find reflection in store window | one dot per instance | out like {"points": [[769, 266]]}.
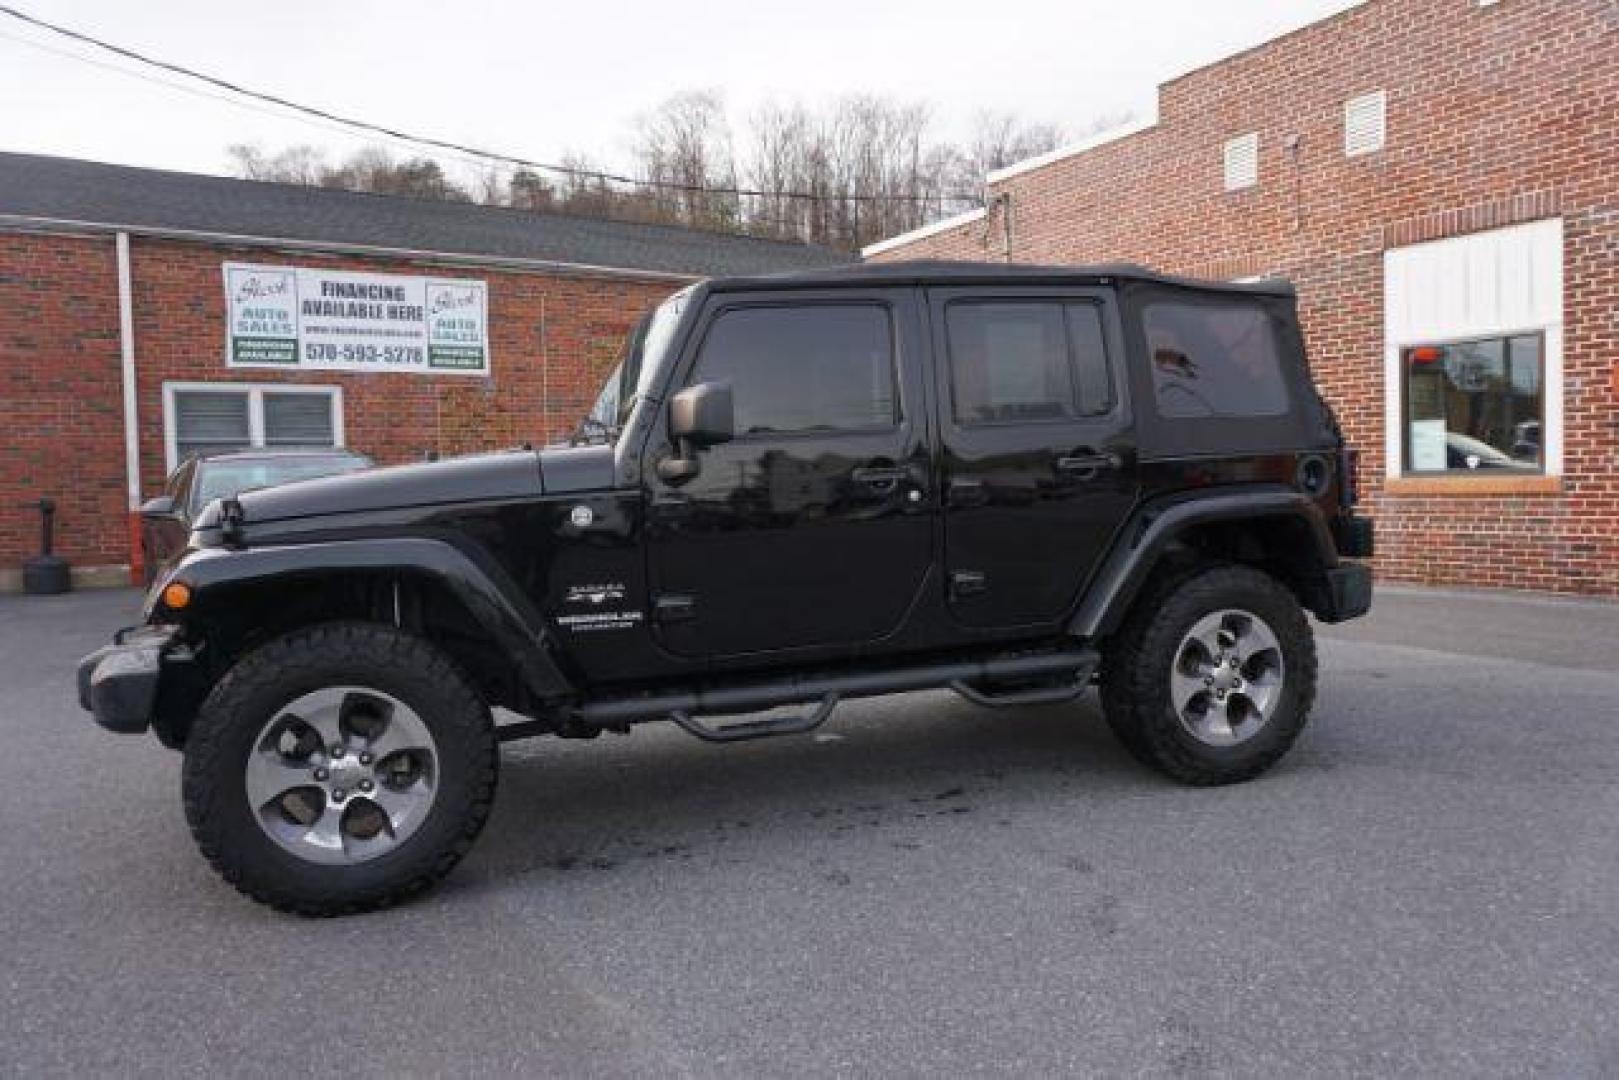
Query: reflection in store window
{"points": [[1474, 406]]}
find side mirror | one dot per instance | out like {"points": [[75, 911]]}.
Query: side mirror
{"points": [[703, 415], [699, 417], [160, 507]]}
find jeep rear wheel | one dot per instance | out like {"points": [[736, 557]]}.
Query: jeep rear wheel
{"points": [[1212, 677], [340, 768]]}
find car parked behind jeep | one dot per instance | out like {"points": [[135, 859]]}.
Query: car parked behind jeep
{"points": [[1016, 482], [203, 477]]}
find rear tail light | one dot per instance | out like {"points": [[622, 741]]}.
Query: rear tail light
{"points": [[1349, 476]]}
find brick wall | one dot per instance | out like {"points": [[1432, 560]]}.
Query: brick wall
{"points": [[552, 339], [1496, 115], [61, 423]]}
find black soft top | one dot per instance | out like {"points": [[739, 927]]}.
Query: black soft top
{"points": [[939, 272]]}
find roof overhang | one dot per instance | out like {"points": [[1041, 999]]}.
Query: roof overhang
{"points": [[924, 232]]}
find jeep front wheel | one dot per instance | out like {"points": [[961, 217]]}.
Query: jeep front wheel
{"points": [[340, 768], [1212, 677]]}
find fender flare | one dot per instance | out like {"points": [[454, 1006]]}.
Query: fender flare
{"points": [[487, 591], [1154, 525]]}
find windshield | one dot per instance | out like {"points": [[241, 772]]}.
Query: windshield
{"points": [[218, 479], [638, 363]]}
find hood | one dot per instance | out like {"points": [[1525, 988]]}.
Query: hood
{"points": [[566, 469], [476, 478]]}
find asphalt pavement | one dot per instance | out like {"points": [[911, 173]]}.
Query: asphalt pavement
{"points": [[1428, 885]]}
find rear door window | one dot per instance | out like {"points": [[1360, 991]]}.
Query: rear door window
{"points": [[1019, 361], [1214, 360]]}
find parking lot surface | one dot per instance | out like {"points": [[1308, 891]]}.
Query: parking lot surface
{"points": [[1429, 884]]}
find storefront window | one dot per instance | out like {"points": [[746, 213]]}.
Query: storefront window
{"points": [[1474, 406]]}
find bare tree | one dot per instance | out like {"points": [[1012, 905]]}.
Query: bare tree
{"points": [[528, 190], [781, 147], [489, 185], [300, 164], [683, 148], [581, 193], [1001, 139], [862, 168], [374, 169]]}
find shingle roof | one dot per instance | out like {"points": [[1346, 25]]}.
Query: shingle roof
{"points": [[152, 200]]}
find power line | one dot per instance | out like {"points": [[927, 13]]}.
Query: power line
{"points": [[452, 147], [207, 95]]}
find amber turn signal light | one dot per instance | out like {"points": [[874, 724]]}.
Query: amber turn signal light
{"points": [[176, 595]]}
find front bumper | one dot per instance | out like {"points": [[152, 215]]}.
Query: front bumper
{"points": [[119, 683]]}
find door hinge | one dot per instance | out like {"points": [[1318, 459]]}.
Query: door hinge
{"points": [[968, 583]]}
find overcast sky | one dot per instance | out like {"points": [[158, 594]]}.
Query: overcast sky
{"points": [[544, 77]]}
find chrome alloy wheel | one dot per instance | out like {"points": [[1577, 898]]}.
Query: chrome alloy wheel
{"points": [[342, 775], [1227, 677]]}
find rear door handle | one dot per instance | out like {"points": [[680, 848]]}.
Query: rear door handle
{"points": [[968, 491], [879, 478]]}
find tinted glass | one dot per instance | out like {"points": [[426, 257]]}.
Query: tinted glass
{"points": [[1026, 360], [1214, 360], [1090, 358], [1474, 406], [1009, 362], [811, 368]]}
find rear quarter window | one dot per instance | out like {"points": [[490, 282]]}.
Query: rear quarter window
{"points": [[1218, 359]]}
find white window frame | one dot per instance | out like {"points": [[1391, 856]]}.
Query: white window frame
{"points": [[1376, 99], [255, 410], [1235, 150], [1523, 264]]}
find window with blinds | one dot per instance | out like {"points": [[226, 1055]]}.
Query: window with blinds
{"points": [[297, 420], [203, 419], [210, 422]]}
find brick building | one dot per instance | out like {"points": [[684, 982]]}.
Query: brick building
{"points": [[1440, 179], [120, 348]]}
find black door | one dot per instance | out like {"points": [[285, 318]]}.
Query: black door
{"points": [[1037, 463], [813, 526]]}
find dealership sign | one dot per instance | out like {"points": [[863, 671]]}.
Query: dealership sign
{"points": [[299, 319]]}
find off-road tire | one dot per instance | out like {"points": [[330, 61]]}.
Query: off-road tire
{"points": [[1137, 661], [335, 654]]}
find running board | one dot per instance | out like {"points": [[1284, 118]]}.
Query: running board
{"points": [[829, 688], [1034, 695]]}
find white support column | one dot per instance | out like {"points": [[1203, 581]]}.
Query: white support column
{"points": [[126, 342]]}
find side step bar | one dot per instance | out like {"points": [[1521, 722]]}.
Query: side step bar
{"points": [[756, 729], [686, 707]]}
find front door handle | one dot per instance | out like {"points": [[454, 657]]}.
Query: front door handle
{"points": [[1088, 463]]}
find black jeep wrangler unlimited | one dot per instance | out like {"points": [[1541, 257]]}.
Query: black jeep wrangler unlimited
{"points": [[1011, 481]]}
